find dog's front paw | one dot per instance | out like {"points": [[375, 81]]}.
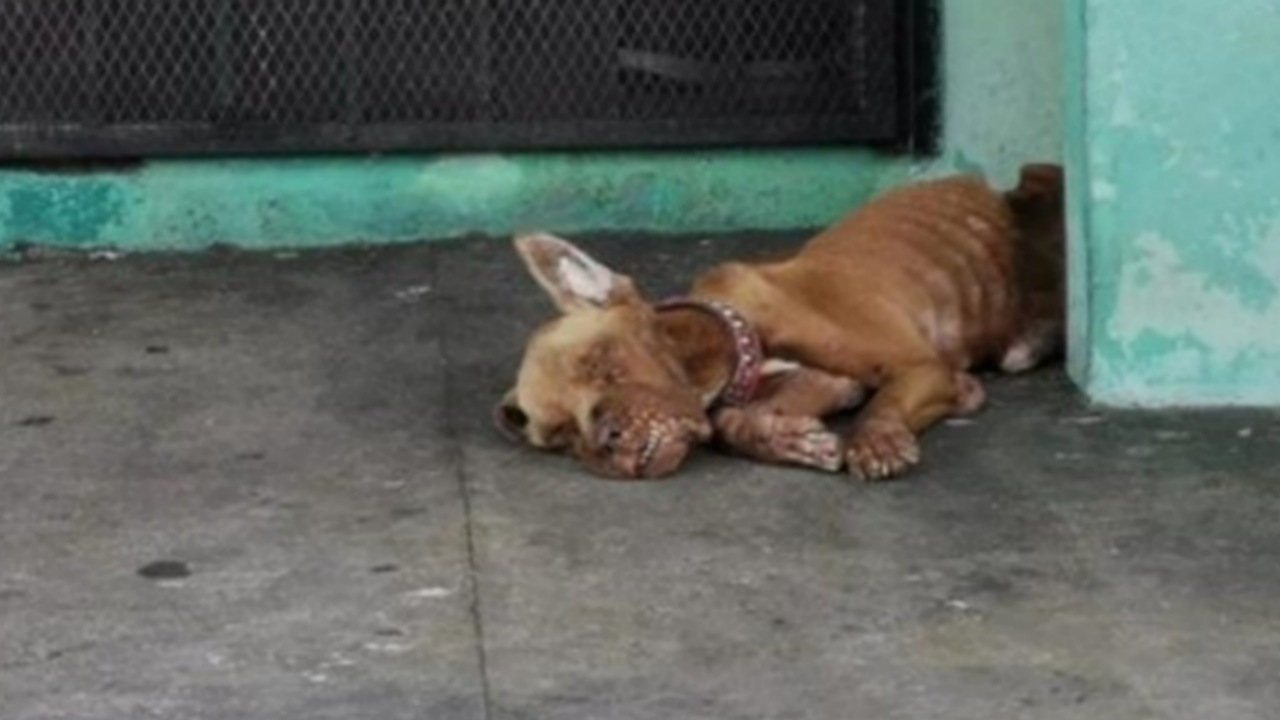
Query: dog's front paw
{"points": [[782, 439], [882, 450], [802, 441]]}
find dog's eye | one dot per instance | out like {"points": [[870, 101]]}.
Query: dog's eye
{"points": [[602, 364]]}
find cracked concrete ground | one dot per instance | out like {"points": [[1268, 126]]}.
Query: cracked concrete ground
{"points": [[264, 486]]}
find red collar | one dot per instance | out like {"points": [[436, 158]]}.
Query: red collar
{"points": [[748, 349]]}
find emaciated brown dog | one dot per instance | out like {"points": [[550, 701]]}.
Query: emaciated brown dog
{"points": [[898, 302]]}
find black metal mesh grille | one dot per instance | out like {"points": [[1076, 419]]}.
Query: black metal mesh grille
{"points": [[139, 77]]}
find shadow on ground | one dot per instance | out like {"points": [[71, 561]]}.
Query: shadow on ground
{"points": [[264, 486]]}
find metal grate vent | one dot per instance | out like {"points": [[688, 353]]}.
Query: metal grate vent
{"points": [[150, 77]]}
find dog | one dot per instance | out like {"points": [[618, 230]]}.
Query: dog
{"points": [[890, 310]]}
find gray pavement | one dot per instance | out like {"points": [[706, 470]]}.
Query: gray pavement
{"points": [[264, 486]]}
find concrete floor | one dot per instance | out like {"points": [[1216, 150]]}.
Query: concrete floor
{"points": [[239, 486]]}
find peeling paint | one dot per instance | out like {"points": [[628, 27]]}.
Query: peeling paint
{"points": [[1191, 306], [1180, 235], [1103, 191]]}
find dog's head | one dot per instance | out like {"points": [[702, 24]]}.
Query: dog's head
{"points": [[602, 381]]}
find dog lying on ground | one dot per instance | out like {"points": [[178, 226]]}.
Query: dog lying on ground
{"points": [[899, 302]]}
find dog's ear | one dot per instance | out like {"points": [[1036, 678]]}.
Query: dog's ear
{"points": [[573, 279]]}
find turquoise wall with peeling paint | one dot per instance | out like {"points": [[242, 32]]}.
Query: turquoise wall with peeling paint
{"points": [[1175, 156], [1001, 91]]}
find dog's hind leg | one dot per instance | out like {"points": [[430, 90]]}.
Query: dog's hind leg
{"points": [[784, 426]]}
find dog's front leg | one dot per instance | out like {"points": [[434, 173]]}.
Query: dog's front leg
{"points": [[884, 442], [784, 424]]}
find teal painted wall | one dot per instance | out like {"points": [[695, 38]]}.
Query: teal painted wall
{"points": [[1001, 70], [1174, 149], [316, 202]]}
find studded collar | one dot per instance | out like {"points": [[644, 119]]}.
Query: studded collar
{"points": [[748, 349]]}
